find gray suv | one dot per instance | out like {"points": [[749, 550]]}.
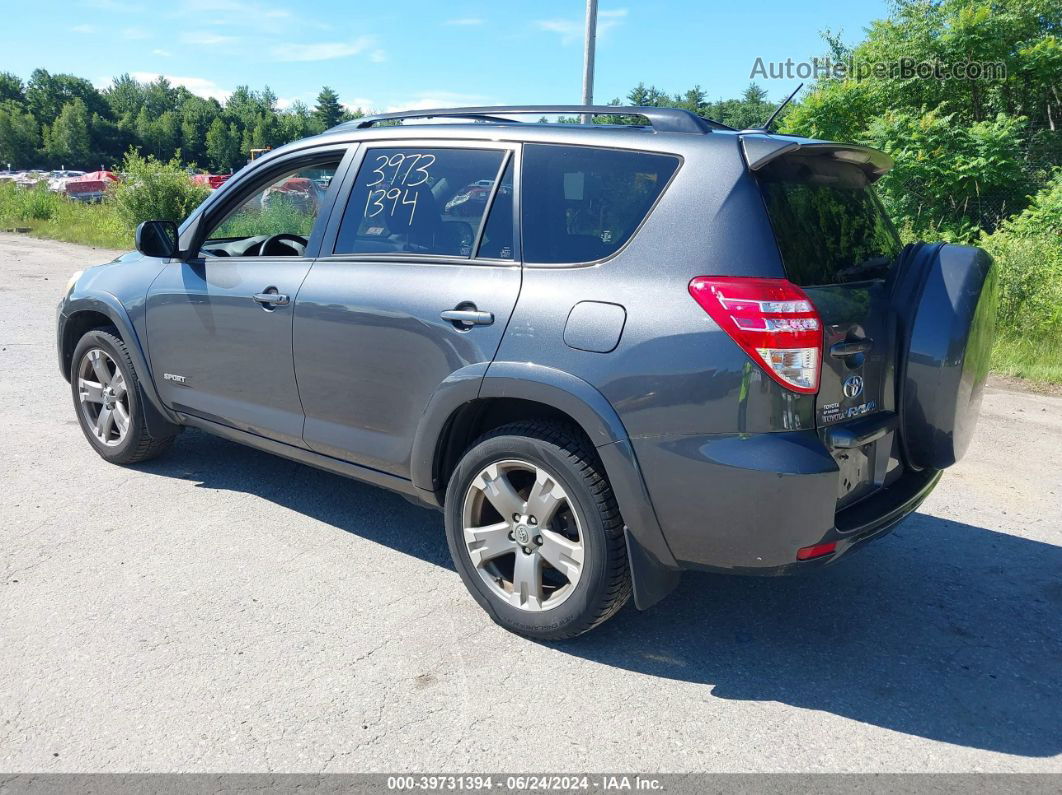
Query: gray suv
{"points": [[607, 352]]}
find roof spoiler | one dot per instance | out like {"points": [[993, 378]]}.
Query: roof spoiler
{"points": [[761, 150]]}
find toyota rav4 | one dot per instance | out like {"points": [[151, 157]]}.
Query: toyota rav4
{"points": [[608, 353]]}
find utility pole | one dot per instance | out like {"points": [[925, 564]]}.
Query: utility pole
{"points": [[589, 45]]}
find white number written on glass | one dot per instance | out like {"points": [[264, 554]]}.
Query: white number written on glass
{"points": [[405, 170], [377, 202]]}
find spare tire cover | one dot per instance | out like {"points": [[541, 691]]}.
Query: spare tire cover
{"points": [[949, 328]]}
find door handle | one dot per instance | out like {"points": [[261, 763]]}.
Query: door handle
{"points": [[850, 347], [270, 298], [468, 317]]}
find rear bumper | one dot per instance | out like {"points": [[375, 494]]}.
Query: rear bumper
{"points": [[746, 503]]}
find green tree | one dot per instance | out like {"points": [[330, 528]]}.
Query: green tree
{"points": [[957, 176], [950, 180], [19, 136], [11, 88], [67, 141], [298, 122], [328, 110], [48, 94], [125, 96], [222, 145]]}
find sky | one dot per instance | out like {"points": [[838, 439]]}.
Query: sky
{"points": [[401, 54]]}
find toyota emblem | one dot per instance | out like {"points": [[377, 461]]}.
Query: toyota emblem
{"points": [[853, 386]]}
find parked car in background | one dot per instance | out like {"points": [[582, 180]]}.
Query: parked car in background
{"points": [[636, 350], [210, 181], [90, 187], [57, 179]]}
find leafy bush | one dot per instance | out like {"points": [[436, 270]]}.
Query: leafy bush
{"points": [[154, 190], [950, 181], [1028, 253], [19, 205]]}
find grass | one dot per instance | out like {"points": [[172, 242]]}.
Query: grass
{"points": [[90, 225], [1032, 359], [55, 217]]}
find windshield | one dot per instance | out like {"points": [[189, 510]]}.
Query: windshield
{"points": [[829, 224]]}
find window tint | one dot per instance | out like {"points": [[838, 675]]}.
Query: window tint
{"points": [[580, 204], [828, 222], [428, 201], [289, 204], [497, 240]]}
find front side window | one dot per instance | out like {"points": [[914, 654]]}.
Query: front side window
{"points": [[277, 219], [420, 201], [581, 204]]}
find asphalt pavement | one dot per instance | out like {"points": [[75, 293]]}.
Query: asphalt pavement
{"points": [[221, 609]]}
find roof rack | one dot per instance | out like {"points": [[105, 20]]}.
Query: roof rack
{"points": [[660, 119]]}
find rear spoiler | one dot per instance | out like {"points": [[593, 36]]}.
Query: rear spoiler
{"points": [[761, 149]]}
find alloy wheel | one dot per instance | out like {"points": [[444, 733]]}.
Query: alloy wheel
{"points": [[104, 397], [523, 534]]}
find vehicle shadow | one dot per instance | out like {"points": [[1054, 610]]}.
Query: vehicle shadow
{"points": [[349, 505], [943, 630]]}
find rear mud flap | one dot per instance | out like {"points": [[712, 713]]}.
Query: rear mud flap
{"points": [[651, 579]]}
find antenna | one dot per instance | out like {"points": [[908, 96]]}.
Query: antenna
{"points": [[767, 124]]}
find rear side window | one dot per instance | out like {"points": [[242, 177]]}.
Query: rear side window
{"points": [[829, 224], [581, 204], [420, 201]]}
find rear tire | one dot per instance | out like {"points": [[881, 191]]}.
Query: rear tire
{"points": [[535, 532], [108, 401]]}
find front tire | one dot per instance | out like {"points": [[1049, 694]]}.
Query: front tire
{"points": [[535, 532], [107, 400]]}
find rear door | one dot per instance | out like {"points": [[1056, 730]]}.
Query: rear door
{"points": [[417, 278], [838, 244]]}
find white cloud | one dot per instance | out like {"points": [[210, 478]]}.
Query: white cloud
{"points": [[378, 56], [83, 29], [438, 99], [162, 53], [199, 86], [246, 15], [469, 21], [206, 39], [135, 33], [569, 30], [364, 104], [606, 20], [326, 51], [572, 30]]}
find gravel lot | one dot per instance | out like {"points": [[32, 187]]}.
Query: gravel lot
{"points": [[220, 609]]}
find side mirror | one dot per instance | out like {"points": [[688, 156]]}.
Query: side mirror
{"points": [[157, 239]]}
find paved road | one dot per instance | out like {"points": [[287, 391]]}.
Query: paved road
{"points": [[224, 610]]}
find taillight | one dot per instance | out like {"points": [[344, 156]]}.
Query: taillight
{"points": [[772, 320]]}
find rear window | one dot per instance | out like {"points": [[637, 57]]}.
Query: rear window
{"points": [[581, 204], [829, 224]]}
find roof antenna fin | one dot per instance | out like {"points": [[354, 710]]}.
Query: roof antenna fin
{"points": [[767, 124]]}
